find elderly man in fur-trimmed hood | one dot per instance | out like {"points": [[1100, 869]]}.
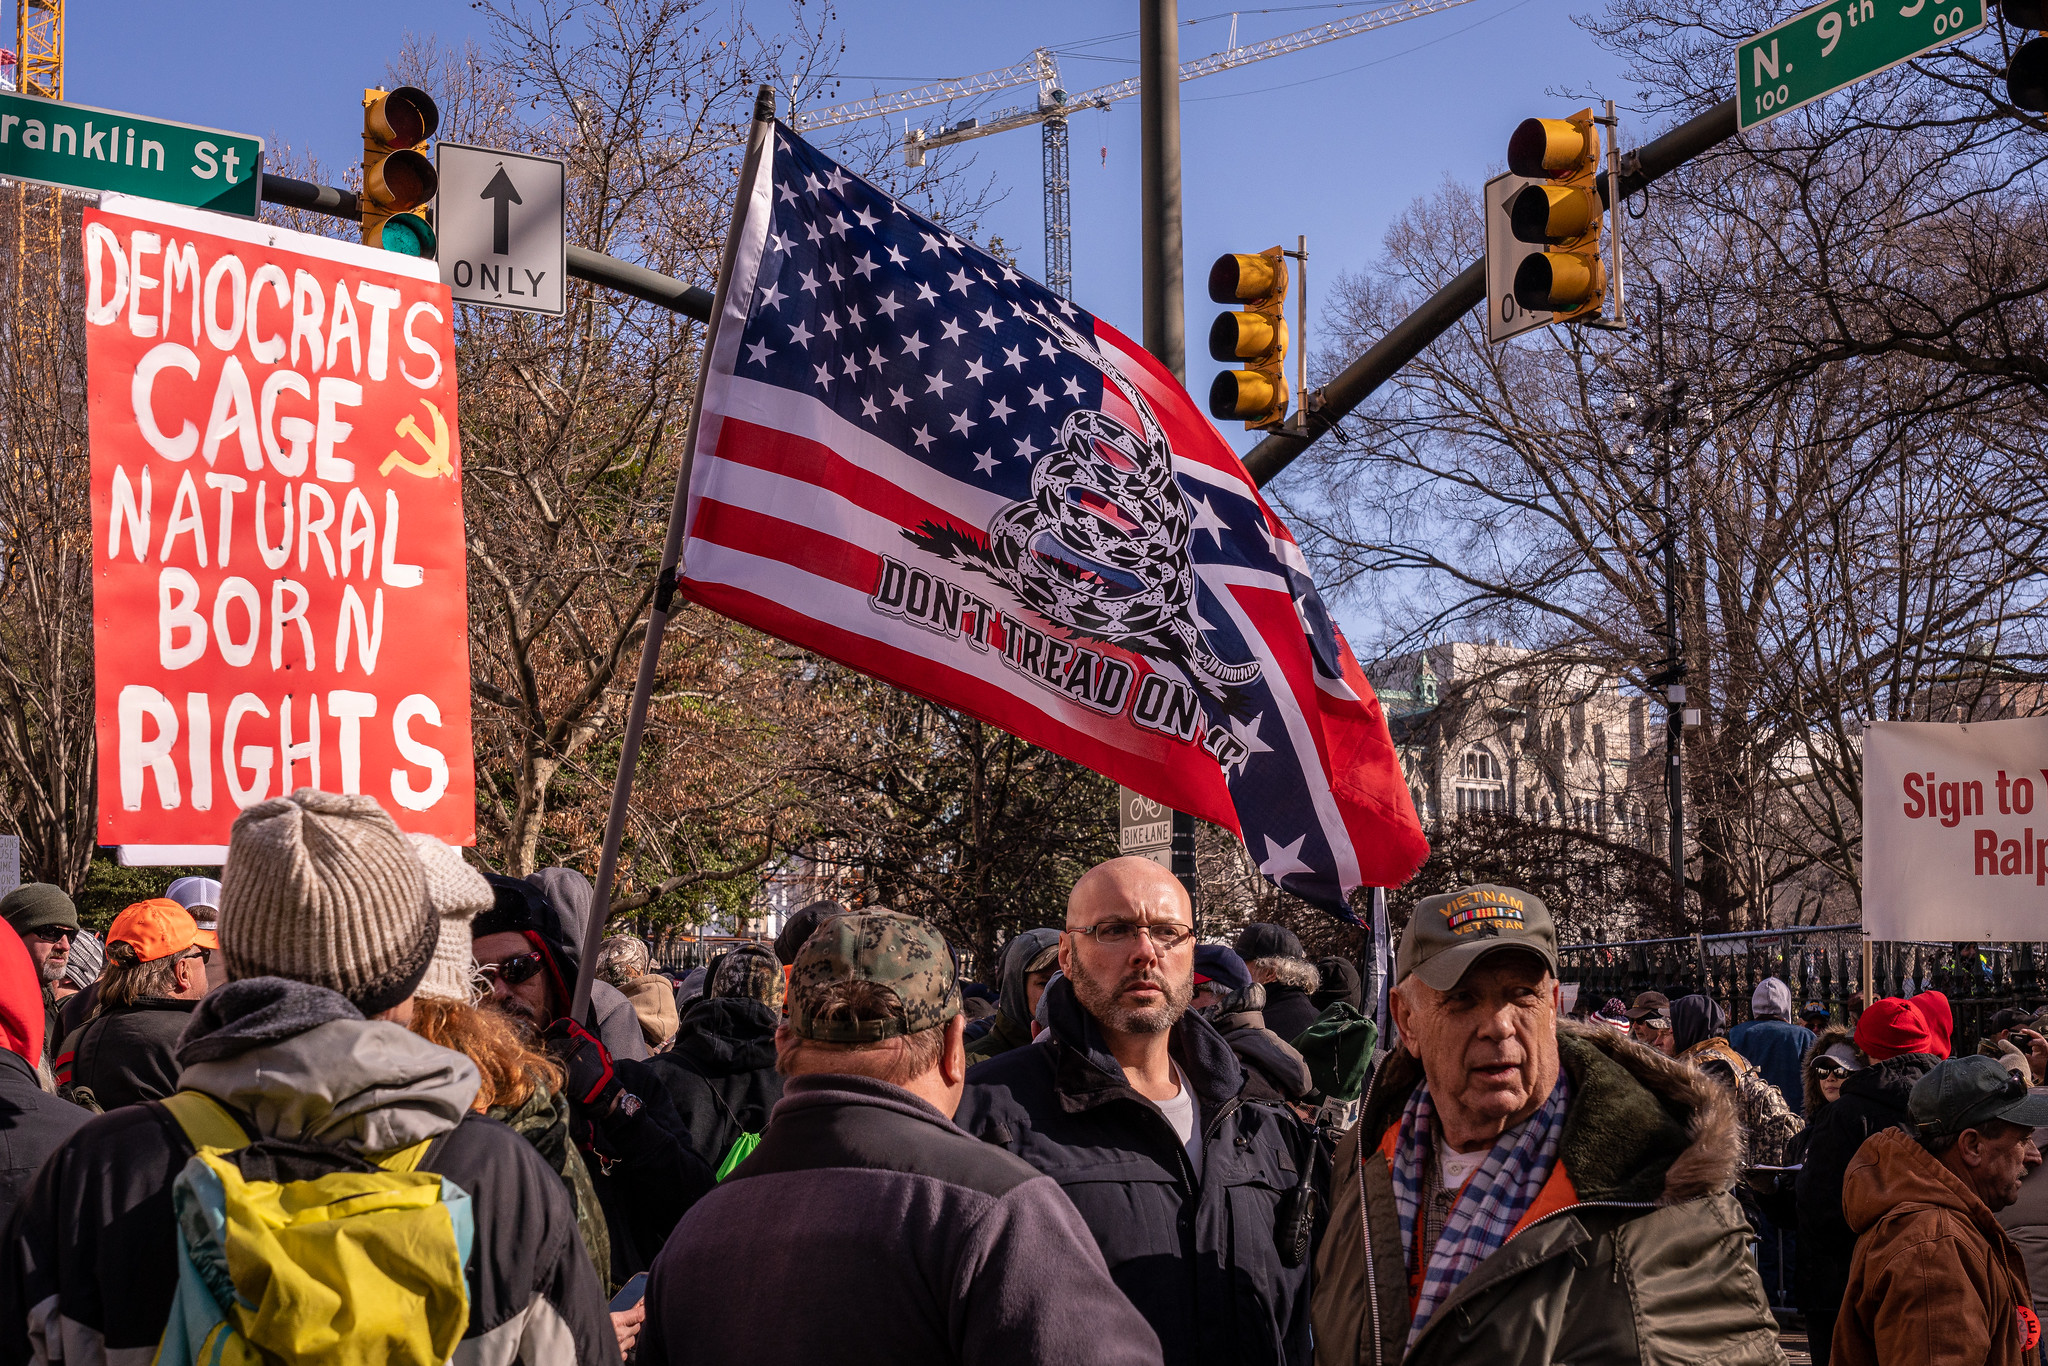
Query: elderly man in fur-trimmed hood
{"points": [[1516, 1191]]}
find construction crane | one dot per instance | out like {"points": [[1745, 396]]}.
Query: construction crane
{"points": [[38, 211], [1054, 106], [39, 48]]}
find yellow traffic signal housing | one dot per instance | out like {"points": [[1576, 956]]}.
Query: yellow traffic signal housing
{"points": [[1254, 336], [1570, 279], [398, 179]]}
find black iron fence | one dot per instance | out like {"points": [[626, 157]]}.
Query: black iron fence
{"points": [[1819, 963]]}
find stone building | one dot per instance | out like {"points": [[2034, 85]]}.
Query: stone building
{"points": [[1485, 727]]}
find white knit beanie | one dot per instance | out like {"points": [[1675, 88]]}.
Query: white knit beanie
{"points": [[457, 893], [324, 888]]}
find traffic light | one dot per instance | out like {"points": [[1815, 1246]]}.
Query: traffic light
{"points": [[2026, 71], [1253, 336], [1565, 215], [398, 179]]}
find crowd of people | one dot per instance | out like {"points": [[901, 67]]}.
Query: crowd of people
{"points": [[337, 1106]]}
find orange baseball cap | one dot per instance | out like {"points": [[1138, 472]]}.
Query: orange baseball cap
{"points": [[158, 928]]}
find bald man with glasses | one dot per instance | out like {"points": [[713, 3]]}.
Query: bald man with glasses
{"points": [[1197, 1196]]}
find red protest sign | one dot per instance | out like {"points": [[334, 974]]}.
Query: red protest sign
{"points": [[279, 596]]}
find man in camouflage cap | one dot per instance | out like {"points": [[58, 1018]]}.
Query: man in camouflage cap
{"points": [[875, 953], [864, 1194]]}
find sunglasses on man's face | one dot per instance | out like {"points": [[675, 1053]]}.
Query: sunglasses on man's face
{"points": [[512, 971], [54, 934]]}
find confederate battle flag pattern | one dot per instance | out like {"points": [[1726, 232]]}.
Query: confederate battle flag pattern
{"points": [[916, 461]]}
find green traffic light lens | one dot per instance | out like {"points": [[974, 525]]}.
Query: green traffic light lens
{"points": [[408, 235]]}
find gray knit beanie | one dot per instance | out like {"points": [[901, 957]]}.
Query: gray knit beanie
{"points": [[323, 888], [457, 893]]}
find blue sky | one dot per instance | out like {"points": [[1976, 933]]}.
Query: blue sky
{"points": [[1331, 141]]}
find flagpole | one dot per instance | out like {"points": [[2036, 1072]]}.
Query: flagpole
{"points": [[664, 593]]}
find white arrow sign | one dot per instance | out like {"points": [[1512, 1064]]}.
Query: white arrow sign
{"points": [[499, 218]]}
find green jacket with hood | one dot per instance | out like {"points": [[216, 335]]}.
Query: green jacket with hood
{"points": [[1650, 1265]]}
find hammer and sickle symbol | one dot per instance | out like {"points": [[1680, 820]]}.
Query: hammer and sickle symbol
{"points": [[437, 462]]}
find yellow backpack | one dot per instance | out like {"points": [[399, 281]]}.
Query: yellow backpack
{"points": [[300, 1252]]}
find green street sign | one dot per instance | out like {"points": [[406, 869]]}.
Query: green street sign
{"points": [[1837, 44], [102, 149]]}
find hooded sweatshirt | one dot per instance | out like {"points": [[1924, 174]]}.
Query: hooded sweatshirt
{"points": [[1935, 1280], [721, 1074], [295, 1062], [643, 1168], [33, 1123], [1772, 1042], [570, 896], [1873, 1100], [1012, 1028]]}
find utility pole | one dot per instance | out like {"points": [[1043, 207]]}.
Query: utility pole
{"points": [[1159, 109], [1664, 415], [1165, 313]]}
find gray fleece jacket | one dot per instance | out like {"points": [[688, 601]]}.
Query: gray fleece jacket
{"points": [[867, 1229]]}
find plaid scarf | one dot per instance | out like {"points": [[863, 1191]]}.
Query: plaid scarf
{"points": [[1490, 1205]]}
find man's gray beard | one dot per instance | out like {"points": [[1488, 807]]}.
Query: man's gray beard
{"points": [[1100, 1001], [52, 970], [513, 1012]]}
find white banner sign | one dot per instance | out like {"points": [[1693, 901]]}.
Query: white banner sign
{"points": [[1955, 830]]}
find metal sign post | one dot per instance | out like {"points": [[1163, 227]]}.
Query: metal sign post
{"points": [[503, 238]]}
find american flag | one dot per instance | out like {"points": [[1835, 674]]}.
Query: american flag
{"points": [[915, 460]]}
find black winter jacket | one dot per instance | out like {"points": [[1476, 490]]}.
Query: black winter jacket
{"points": [[1199, 1259], [720, 1072], [128, 1054], [640, 1160], [33, 1124], [1872, 1100], [90, 1257]]}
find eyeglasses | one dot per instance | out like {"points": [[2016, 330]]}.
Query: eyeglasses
{"points": [[513, 971], [54, 934], [1830, 1071], [1117, 933]]}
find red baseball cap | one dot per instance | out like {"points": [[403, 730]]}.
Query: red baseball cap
{"points": [[158, 928]]}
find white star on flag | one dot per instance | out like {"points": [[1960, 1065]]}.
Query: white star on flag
{"points": [[1282, 859]]}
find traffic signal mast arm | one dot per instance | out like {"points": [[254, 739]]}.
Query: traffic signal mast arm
{"points": [[665, 291], [1406, 339]]}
